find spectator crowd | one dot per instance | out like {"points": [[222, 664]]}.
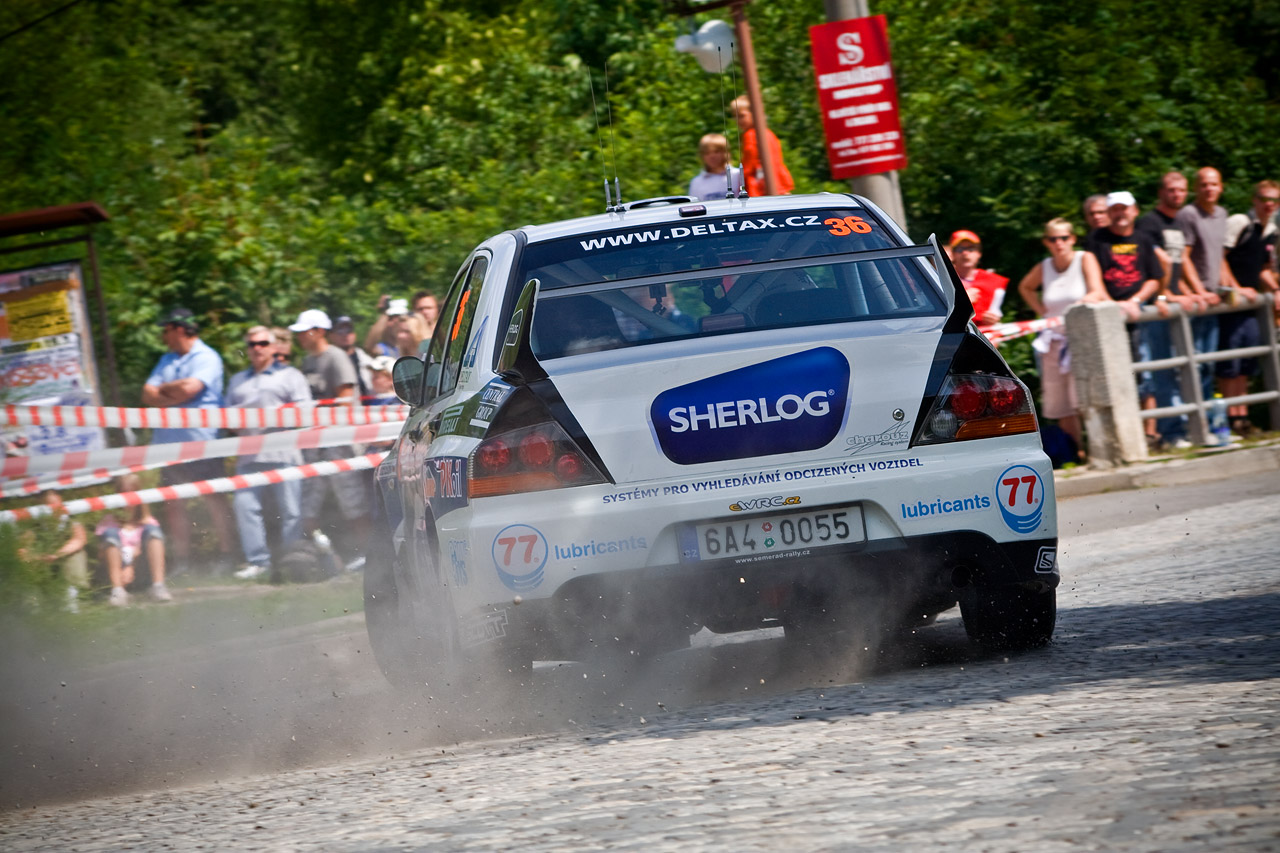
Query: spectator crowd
{"points": [[1186, 253], [1190, 254], [263, 525]]}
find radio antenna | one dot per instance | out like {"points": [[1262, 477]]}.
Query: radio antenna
{"points": [[595, 112], [728, 166], [617, 188], [733, 72]]}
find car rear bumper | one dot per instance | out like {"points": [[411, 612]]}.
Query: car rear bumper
{"points": [[888, 582], [530, 545]]}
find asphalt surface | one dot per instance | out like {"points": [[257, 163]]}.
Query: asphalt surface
{"points": [[1149, 724]]}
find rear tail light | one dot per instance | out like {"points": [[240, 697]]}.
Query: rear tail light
{"points": [[978, 406], [529, 459]]}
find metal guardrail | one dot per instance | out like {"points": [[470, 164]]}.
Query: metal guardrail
{"points": [[1187, 360]]}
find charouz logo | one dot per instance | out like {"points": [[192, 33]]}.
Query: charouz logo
{"points": [[792, 403]]}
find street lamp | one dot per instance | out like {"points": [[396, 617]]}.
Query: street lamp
{"points": [[749, 75]]}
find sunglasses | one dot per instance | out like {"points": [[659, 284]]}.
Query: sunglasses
{"points": [[968, 247], [1058, 237], [1268, 199], [256, 344]]}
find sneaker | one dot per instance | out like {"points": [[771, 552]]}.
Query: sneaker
{"points": [[73, 600], [1245, 428], [1155, 444], [160, 592], [119, 597], [322, 542], [356, 565], [251, 572], [1181, 444]]}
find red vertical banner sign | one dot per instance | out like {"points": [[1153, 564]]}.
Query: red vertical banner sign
{"points": [[858, 97]]}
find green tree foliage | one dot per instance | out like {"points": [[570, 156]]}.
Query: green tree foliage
{"points": [[258, 159]]}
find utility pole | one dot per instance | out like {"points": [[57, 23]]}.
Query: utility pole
{"points": [[752, 79], [882, 189]]}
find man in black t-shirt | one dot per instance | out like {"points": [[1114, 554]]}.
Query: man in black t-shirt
{"points": [[1250, 247], [1130, 270], [1131, 273], [1161, 226]]}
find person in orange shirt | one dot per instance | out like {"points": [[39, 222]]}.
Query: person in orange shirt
{"points": [[752, 166]]}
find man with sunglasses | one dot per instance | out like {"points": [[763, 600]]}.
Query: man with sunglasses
{"points": [[1250, 256], [266, 384]]}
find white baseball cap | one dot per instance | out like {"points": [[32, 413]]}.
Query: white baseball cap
{"points": [[397, 308], [1122, 197], [312, 318], [382, 363]]}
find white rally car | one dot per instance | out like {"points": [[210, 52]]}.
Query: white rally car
{"points": [[731, 415]]}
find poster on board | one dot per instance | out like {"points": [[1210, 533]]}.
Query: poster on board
{"points": [[858, 96], [46, 355]]}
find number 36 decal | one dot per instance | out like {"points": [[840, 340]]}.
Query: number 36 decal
{"points": [[848, 225]]}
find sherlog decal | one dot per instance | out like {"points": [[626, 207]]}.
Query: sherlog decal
{"points": [[792, 403]]}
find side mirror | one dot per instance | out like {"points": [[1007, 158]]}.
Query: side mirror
{"points": [[406, 376], [515, 361]]}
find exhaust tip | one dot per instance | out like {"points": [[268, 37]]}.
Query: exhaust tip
{"points": [[961, 577]]}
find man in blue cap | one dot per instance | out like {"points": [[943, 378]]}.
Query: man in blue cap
{"points": [[188, 376]]}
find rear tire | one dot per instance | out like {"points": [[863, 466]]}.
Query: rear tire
{"points": [[413, 642], [1010, 618]]}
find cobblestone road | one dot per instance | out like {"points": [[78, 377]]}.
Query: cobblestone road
{"points": [[1150, 724]]}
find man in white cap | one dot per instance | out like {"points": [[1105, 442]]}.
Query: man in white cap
{"points": [[1131, 271], [332, 377], [1132, 275]]}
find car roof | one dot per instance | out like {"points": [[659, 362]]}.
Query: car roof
{"points": [[660, 213]]}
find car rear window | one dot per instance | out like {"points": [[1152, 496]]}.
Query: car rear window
{"points": [[700, 243], [731, 300]]}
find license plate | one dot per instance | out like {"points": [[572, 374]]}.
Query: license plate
{"points": [[771, 537]]}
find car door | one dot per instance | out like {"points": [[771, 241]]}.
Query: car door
{"points": [[440, 476]]}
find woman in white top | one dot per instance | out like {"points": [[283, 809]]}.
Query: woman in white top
{"points": [[1051, 287]]}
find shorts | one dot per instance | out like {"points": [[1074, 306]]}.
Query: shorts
{"points": [[193, 471], [111, 536], [1057, 387], [1234, 332]]}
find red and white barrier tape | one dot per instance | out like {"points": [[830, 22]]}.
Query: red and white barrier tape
{"points": [[74, 480], [1001, 332], [186, 451], [175, 418], [202, 487]]}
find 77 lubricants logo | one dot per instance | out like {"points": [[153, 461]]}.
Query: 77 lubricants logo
{"points": [[789, 404]]}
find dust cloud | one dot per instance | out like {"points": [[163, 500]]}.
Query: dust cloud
{"points": [[314, 696]]}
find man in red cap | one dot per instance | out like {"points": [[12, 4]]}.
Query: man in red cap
{"points": [[985, 288]]}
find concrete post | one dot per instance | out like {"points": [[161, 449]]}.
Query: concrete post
{"points": [[1102, 368]]}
